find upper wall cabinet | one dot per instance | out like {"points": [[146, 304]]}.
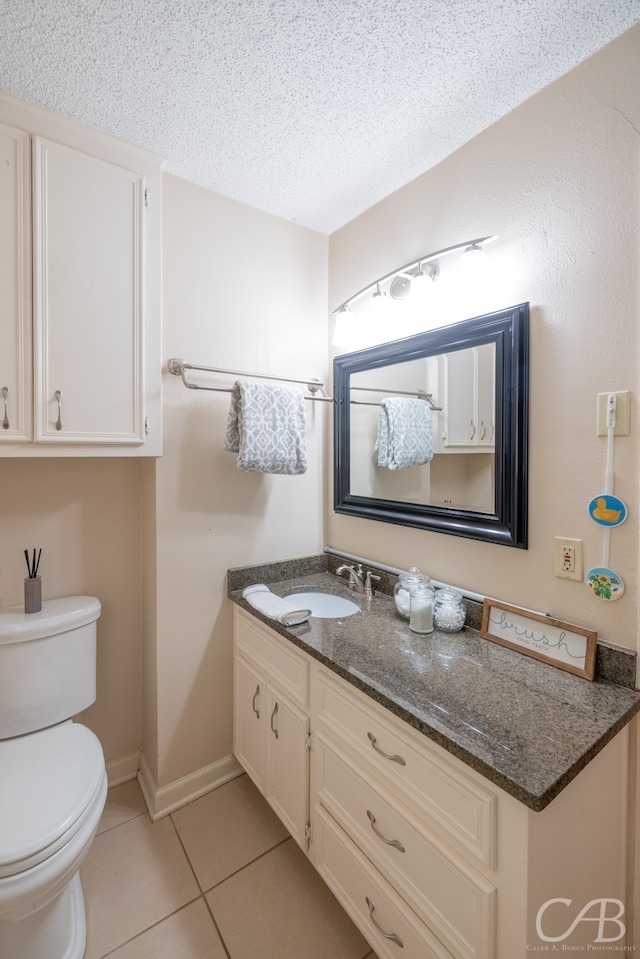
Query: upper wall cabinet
{"points": [[15, 286], [80, 365]]}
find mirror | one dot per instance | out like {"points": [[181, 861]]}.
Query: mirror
{"points": [[460, 467]]}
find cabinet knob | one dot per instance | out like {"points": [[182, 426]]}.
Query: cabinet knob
{"points": [[253, 704], [58, 395], [5, 422], [473, 430]]}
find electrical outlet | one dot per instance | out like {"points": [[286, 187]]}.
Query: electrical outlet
{"points": [[568, 558], [622, 413]]}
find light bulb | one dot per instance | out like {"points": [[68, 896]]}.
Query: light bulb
{"points": [[343, 330], [472, 260], [423, 280], [379, 304]]}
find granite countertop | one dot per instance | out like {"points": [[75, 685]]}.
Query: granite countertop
{"points": [[526, 726]]}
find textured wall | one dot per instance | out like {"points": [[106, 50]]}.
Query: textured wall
{"points": [[557, 180], [245, 291], [85, 514]]}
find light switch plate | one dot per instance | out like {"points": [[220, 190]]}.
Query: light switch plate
{"points": [[623, 402]]}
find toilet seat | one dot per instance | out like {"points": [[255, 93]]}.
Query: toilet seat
{"points": [[50, 782]]}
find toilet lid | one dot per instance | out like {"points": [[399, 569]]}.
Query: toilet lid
{"points": [[47, 781]]}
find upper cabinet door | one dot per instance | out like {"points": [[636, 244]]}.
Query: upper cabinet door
{"points": [[15, 286], [88, 298]]}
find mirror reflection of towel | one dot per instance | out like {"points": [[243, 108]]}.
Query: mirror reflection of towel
{"points": [[405, 433], [267, 428]]}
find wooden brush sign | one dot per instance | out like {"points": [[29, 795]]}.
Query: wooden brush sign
{"points": [[542, 637]]}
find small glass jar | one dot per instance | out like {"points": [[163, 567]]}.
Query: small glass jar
{"points": [[448, 610], [402, 590], [421, 608]]}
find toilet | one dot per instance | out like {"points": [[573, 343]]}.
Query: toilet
{"points": [[53, 781]]}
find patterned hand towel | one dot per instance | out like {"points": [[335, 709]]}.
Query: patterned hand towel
{"points": [[267, 428], [261, 598], [405, 433]]}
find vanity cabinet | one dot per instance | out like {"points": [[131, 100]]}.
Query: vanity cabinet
{"points": [[80, 240], [271, 721], [400, 833], [429, 858]]}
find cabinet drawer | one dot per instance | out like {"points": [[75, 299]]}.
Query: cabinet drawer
{"points": [[455, 901], [282, 664], [382, 917], [406, 762]]}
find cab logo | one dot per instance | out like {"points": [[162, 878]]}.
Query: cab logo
{"points": [[603, 916]]}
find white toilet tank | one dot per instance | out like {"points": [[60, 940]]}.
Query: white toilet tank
{"points": [[47, 663]]}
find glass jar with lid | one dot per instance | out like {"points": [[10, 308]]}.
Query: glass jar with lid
{"points": [[421, 608], [449, 612], [402, 590]]}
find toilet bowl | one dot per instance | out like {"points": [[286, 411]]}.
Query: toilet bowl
{"points": [[53, 784]]}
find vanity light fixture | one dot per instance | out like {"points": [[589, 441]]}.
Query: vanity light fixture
{"points": [[343, 330], [422, 280], [472, 259], [414, 278], [379, 301]]}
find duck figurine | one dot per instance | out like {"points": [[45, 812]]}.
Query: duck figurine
{"points": [[603, 513]]}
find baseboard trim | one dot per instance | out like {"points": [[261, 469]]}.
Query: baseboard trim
{"points": [[122, 770], [166, 799]]}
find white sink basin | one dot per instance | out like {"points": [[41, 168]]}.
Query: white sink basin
{"points": [[324, 605]]}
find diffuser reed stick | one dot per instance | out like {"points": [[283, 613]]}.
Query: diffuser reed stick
{"points": [[32, 565]]}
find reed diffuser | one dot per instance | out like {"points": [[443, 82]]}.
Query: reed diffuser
{"points": [[33, 583]]}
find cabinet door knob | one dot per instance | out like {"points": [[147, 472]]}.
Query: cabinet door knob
{"points": [[393, 759], [273, 716], [253, 704], [58, 395], [5, 422], [473, 430], [394, 937], [390, 842]]}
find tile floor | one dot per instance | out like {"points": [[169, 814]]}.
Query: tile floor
{"points": [[218, 879]]}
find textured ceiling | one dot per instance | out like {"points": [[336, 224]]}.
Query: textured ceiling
{"points": [[309, 109]]}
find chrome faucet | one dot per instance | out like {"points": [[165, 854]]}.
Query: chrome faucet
{"points": [[359, 581]]}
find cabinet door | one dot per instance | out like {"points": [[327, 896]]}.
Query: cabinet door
{"points": [[486, 395], [88, 269], [249, 723], [288, 764], [15, 286], [460, 422]]}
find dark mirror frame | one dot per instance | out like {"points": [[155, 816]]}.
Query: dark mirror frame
{"points": [[509, 330]]}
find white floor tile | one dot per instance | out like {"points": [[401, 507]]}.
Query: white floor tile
{"points": [[187, 934], [134, 876], [226, 829]]}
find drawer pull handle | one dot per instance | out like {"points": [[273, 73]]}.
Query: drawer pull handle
{"points": [[390, 842], [273, 716], [253, 704], [394, 759], [387, 935], [5, 422], [58, 395]]}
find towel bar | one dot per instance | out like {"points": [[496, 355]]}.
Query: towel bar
{"points": [[178, 368], [418, 394]]}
